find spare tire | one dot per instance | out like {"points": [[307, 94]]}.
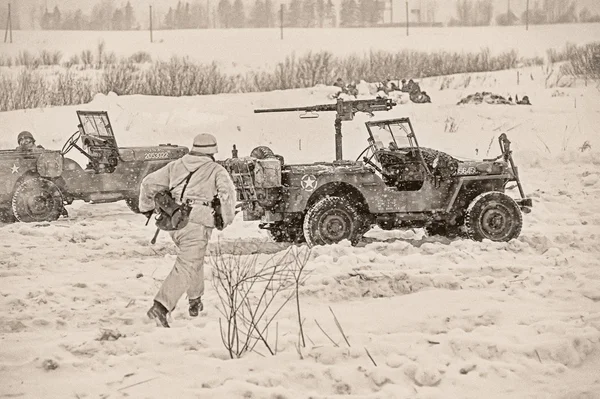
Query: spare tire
{"points": [[262, 152], [37, 200]]}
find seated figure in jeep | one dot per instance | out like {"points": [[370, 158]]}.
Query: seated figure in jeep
{"points": [[27, 142]]}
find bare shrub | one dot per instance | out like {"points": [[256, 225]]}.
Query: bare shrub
{"points": [[121, 79], [315, 68], [50, 57], [73, 60], [6, 60], [25, 58], [109, 58], [30, 91], [251, 294], [585, 146], [285, 72], [583, 61], [180, 77], [71, 89], [140, 57], [87, 57], [100, 48], [7, 87]]}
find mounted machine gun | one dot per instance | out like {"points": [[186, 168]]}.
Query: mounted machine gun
{"points": [[345, 111]]}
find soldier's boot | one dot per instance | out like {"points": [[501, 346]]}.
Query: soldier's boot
{"points": [[196, 306], [159, 313]]}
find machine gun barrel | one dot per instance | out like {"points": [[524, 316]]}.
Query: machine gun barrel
{"points": [[345, 111], [312, 108]]}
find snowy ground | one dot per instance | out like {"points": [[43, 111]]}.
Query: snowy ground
{"points": [[240, 50], [441, 318]]}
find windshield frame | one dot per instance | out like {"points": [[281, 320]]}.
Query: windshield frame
{"points": [[95, 123], [387, 125]]}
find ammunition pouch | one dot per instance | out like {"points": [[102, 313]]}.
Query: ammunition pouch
{"points": [[215, 204], [171, 215]]}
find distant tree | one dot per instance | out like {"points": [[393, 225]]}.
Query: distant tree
{"points": [[118, 20], [101, 16], [464, 10], [585, 15], [349, 14], [238, 16], [198, 16], [370, 12], [320, 11], [309, 14], [46, 21], [169, 22], [293, 16], [431, 11], [224, 13], [484, 12], [56, 18], [78, 21], [330, 15], [560, 11], [257, 17], [129, 19], [568, 14], [506, 19], [270, 20], [537, 15]]}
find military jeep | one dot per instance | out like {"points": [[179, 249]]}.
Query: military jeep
{"points": [[36, 185], [394, 183]]}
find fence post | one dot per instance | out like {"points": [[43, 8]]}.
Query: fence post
{"points": [[151, 41], [406, 17], [281, 20], [8, 26]]}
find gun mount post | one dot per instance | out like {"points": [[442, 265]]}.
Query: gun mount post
{"points": [[338, 138], [345, 111]]}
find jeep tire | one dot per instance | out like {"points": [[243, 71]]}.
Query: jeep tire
{"points": [[331, 220], [493, 216], [37, 200]]}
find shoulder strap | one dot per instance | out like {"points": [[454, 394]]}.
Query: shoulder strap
{"points": [[187, 180]]}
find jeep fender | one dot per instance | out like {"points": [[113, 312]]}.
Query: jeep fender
{"points": [[469, 187], [301, 199]]}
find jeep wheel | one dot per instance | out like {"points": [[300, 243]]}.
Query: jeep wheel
{"points": [[133, 204], [37, 200], [493, 216], [331, 220]]}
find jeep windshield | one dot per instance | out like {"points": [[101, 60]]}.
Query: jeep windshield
{"points": [[391, 134], [95, 124]]}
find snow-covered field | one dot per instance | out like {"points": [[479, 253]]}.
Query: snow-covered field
{"points": [[239, 50], [441, 318]]}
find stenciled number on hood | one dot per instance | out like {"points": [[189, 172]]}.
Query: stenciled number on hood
{"points": [[156, 155]]}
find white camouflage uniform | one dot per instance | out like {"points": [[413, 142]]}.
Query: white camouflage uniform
{"points": [[209, 179]]}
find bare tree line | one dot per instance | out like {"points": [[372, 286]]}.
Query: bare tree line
{"points": [[200, 14]]}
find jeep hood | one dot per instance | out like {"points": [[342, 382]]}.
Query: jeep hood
{"points": [[152, 153]]}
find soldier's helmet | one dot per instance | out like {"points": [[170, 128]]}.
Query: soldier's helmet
{"points": [[204, 144], [25, 135]]}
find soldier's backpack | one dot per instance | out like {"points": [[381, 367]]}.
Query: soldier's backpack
{"points": [[171, 215]]}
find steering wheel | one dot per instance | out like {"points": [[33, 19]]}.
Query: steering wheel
{"points": [[70, 143], [364, 152]]}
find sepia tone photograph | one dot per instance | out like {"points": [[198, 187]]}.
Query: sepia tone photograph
{"points": [[368, 199]]}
